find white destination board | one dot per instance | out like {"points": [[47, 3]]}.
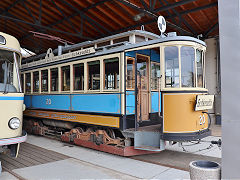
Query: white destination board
{"points": [[51, 58], [204, 102]]}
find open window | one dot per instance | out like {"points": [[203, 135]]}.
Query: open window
{"points": [[36, 81], [54, 79], [78, 76], [44, 80], [65, 78], [111, 68], [94, 75]]}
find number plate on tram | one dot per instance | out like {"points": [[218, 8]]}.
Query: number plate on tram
{"points": [[204, 102]]}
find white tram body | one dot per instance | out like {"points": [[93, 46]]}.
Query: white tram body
{"points": [[11, 95]]}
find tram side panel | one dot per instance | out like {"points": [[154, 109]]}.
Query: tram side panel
{"points": [[11, 106], [180, 120], [155, 107], [72, 106]]}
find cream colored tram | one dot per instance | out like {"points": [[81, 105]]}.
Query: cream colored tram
{"points": [[11, 95]]}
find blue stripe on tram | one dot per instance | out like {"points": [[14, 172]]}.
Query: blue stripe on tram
{"points": [[10, 98]]}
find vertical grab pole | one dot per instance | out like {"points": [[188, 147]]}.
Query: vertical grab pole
{"points": [[125, 96], [136, 94], [17, 69]]}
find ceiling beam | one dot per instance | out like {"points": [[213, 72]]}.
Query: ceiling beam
{"points": [[40, 12], [199, 8], [61, 11], [82, 13], [173, 5], [152, 14], [11, 6], [71, 16], [182, 19], [167, 17], [211, 29], [152, 4], [43, 27]]}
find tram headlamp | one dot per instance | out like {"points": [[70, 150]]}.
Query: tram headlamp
{"points": [[14, 123]]}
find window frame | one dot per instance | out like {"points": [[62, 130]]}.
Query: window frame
{"points": [[61, 78], [100, 76], [39, 73], [41, 89], [116, 89], [25, 85], [158, 63], [50, 82], [73, 77], [194, 65], [133, 71]]}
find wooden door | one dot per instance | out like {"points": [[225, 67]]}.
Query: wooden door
{"points": [[143, 87]]}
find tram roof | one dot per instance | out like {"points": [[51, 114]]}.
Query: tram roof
{"points": [[125, 46], [77, 21], [9, 42]]}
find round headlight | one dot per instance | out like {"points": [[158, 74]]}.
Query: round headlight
{"points": [[14, 123]]}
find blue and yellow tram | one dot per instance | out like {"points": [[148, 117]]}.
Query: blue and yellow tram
{"points": [[11, 96], [131, 90]]}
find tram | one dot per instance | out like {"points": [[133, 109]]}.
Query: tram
{"points": [[11, 96], [125, 94]]}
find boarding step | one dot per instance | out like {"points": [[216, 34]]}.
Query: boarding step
{"points": [[146, 138], [148, 141]]}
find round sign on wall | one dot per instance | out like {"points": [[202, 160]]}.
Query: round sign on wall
{"points": [[161, 24]]}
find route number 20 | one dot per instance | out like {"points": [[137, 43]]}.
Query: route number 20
{"points": [[202, 120], [48, 101]]}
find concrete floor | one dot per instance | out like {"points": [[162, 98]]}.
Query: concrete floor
{"points": [[83, 163]]}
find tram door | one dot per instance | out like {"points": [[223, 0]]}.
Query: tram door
{"points": [[143, 87]]}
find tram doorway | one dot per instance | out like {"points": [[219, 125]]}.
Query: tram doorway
{"points": [[143, 87]]}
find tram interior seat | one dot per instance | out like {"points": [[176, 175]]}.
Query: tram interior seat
{"points": [[9, 88]]}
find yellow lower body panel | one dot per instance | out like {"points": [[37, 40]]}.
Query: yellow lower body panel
{"points": [[110, 121], [179, 114]]}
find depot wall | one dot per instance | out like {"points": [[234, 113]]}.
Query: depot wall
{"points": [[212, 74]]}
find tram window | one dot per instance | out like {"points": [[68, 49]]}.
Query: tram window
{"points": [[28, 82], [155, 75], [44, 80], [130, 74], [119, 40], [103, 44], [171, 67], [199, 68], [139, 38], [54, 79], [36, 81], [111, 73], [78, 75], [65, 78], [187, 66], [94, 75]]}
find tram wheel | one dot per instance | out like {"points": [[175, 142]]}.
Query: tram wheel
{"points": [[110, 133]]}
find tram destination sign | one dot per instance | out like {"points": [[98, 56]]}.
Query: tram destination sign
{"points": [[49, 58], [204, 102]]}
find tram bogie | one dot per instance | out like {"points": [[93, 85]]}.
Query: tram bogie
{"points": [[128, 98], [11, 96]]}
